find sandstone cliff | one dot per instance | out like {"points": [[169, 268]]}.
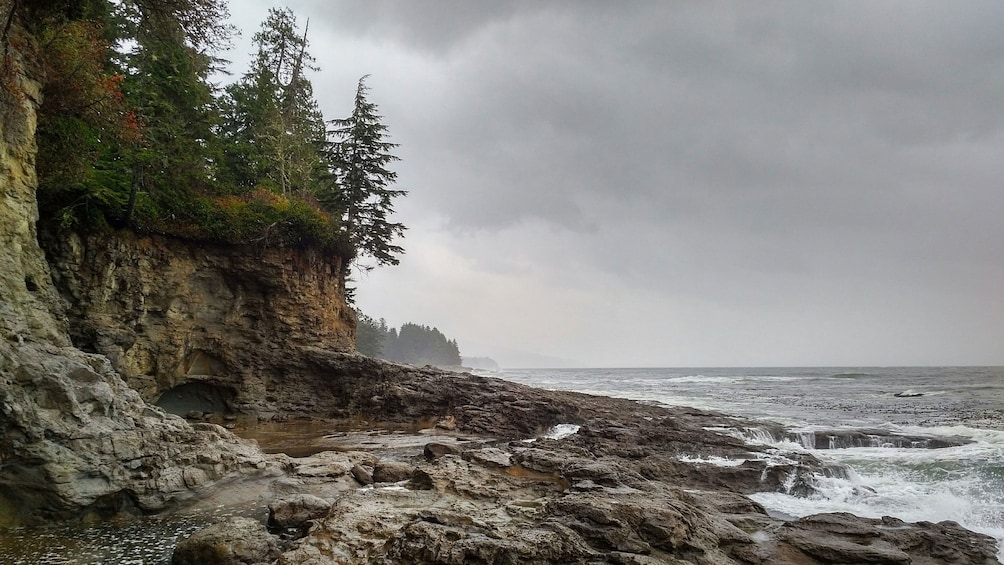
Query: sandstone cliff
{"points": [[197, 326], [74, 438]]}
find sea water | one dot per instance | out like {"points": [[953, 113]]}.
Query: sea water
{"points": [[964, 483]]}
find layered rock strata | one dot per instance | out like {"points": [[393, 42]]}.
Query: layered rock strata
{"points": [[220, 319]]}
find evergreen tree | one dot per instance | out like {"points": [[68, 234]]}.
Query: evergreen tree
{"points": [[111, 120], [359, 183], [271, 118], [370, 335], [421, 345], [167, 82]]}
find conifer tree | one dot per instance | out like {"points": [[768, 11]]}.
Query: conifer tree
{"points": [[167, 82], [370, 335], [359, 188], [270, 115], [108, 115]]}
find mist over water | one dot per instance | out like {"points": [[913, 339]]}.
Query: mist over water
{"points": [[960, 409]]}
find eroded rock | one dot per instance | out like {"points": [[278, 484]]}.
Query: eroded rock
{"points": [[293, 514], [234, 541]]}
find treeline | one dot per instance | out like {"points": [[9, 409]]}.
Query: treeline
{"points": [[131, 132], [413, 344]]}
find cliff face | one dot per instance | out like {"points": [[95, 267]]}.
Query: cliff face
{"points": [[25, 292], [74, 438], [171, 313]]}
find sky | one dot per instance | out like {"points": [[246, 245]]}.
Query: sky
{"points": [[683, 183]]}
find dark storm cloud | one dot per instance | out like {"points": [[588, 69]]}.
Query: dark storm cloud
{"points": [[689, 108]]}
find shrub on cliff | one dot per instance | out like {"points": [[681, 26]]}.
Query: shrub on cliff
{"points": [[258, 217]]}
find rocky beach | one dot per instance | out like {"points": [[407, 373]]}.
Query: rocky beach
{"points": [[103, 334]]}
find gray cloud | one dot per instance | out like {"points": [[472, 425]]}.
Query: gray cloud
{"points": [[782, 161]]}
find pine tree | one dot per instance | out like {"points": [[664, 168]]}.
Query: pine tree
{"points": [[370, 335], [168, 85], [270, 115], [359, 184]]}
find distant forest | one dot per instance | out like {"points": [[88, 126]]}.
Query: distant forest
{"points": [[413, 344]]}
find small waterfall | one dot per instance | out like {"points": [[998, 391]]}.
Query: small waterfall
{"points": [[806, 439], [847, 439], [759, 435], [789, 481]]}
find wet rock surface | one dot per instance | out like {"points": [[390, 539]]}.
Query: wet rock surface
{"points": [[77, 443], [591, 498], [635, 483], [235, 541]]}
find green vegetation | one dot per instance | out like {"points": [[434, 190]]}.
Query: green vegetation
{"points": [[412, 344], [132, 134]]}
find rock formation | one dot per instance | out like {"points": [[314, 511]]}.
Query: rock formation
{"points": [[75, 440], [630, 486], [198, 319], [255, 330]]}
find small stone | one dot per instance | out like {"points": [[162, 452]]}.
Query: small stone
{"points": [[361, 474], [392, 472], [295, 512], [234, 541], [447, 423], [435, 450]]}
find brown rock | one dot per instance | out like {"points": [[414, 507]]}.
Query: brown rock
{"points": [[435, 450], [292, 515], [362, 474], [392, 472]]}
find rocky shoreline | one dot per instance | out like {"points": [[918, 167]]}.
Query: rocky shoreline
{"points": [[130, 321], [634, 483]]}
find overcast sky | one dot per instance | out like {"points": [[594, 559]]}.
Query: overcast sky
{"points": [[683, 183]]}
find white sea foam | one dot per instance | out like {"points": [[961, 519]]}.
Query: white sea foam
{"points": [[562, 431], [712, 460], [952, 483], [900, 494], [964, 483]]}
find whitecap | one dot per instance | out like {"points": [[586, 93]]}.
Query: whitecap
{"points": [[562, 431]]}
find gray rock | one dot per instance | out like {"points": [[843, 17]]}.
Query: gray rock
{"points": [[234, 541], [845, 538], [362, 474], [294, 512]]}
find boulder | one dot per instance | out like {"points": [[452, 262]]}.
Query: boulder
{"points": [[296, 511], [362, 474], [435, 450], [392, 472], [233, 541], [845, 538]]}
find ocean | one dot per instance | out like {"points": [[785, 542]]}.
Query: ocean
{"points": [[913, 480]]}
